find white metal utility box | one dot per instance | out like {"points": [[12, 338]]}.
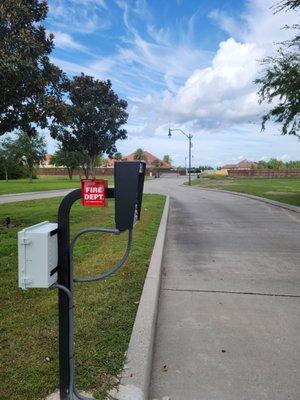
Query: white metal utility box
{"points": [[37, 248]]}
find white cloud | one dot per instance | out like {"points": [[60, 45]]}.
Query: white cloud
{"points": [[211, 98], [65, 41], [99, 69], [225, 89], [222, 94], [263, 27], [83, 16], [258, 24], [226, 22]]}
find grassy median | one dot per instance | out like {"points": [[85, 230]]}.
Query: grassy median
{"points": [[105, 311], [42, 183], [286, 190]]}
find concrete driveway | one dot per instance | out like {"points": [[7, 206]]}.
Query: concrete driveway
{"points": [[228, 324]]}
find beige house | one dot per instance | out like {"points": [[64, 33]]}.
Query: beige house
{"points": [[244, 165]]}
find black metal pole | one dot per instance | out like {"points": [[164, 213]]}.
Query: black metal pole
{"points": [[63, 233], [64, 279], [190, 149], [190, 158]]}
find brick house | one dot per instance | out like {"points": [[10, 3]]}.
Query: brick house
{"points": [[150, 160]]}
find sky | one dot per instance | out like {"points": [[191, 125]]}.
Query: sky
{"points": [[187, 64]]}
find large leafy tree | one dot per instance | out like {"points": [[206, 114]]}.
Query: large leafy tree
{"points": [[30, 83], [280, 82], [92, 119], [30, 150], [118, 156], [7, 156]]}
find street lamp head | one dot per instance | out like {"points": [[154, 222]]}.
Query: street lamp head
{"points": [[169, 134]]}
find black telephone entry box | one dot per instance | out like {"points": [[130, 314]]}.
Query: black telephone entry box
{"points": [[129, 185]]}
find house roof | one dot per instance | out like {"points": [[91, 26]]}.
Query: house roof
{"points": [[150, 159], [241, 164], [47, 157]]}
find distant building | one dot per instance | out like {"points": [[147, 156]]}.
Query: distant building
{"points": [[150, 160], [46, 162], [242, 165]]}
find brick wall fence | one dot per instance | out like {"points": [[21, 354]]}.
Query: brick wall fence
{"points": [[267, 173], [101, 171], [64, 171]]}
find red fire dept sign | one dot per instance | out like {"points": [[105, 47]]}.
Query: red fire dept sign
{"points": [[94, 192]]}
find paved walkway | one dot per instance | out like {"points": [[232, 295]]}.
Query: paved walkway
{"points": [[228, 324], [11, 198]]}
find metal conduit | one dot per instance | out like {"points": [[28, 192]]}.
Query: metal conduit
{"points": [[72, 389]]}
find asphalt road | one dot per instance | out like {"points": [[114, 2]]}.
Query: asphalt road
{"points": [[228, 324]]}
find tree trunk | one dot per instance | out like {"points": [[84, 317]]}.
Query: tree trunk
{"points": [[6, 174], [30, 175], [93, 167], [86, 172], [70, 173]]}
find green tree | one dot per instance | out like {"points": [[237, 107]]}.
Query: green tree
{"points": [[293, 164], [167, 159], [280, 81], [30, 83], [7, 156], [260, 165], [118, 156], [69, 159], [205, 168], [92, 118], [30, 150], [273, 163], [139, 155], [100, 161]]}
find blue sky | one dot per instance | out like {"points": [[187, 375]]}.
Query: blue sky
{"points": [[188, 64]]}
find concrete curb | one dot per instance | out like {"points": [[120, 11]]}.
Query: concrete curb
{"points": [[251, 196], [135, 378]]}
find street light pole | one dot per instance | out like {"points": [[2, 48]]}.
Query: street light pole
{"points": [[190, 148], [190, 158]]}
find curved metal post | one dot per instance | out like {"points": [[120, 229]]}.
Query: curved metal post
{"points": [[64, 279]]}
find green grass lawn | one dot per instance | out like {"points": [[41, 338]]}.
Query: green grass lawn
{"points": [[104, 313], [42, 183], [286, 190]]}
